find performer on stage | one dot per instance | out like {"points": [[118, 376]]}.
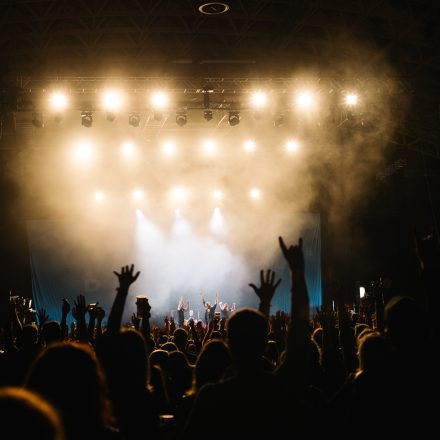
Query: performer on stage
{"points": [[209, 310], [225, 310], [181, 309]]}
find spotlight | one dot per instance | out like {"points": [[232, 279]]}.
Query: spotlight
{"points": [[305, 100], [361, 292], [351, 99], [258, 99], [83, 152], [128, 149], [112, 100], [137, 195], [249, 145], [181, 118], [37, 120], [234, 118], [168, 148], [86, 119], [58, 101], [134, 119], [217, 194], [179, 193], [209, 147], [207, 114], [255, 193], [99, 196], [291, 146], [159, 100]]}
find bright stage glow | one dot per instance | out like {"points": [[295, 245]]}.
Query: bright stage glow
{"points": [[159, 100], [255, 193], [258, 99], [139, 214], [128, 150], [209, 147], [83, 152], [217, 194], [180, 194], [249, 146], [58, 101], [305, 100], [292, 146], [217, 224], [137, 195], [112, 100], [351, 99], [361, 292], [168, 148], [99, 196]]}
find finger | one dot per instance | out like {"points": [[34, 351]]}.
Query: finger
{"points": [[277, 283], [283, 247], [261, 277], [132, 268], [116, 273], [267, 276], [272, 278], [300, 242], [136, 276], [254, 287]]}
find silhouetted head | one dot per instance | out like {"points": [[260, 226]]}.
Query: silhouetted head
{"points": [[213, 361], [69, 376], [216, 335], [374, 354], [159, 358], [180, 338], [24, 415], [28, 337], [317, 336], [247, 335], [359, 328], [128, 366], [271, 352], [169, 347], [180, 373], [51, 332]]}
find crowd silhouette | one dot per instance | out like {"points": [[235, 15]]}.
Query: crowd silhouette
{"points": [[238, 373]]}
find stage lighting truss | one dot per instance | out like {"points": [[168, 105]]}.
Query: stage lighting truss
{"points": [[234, 118], [181, 118]]}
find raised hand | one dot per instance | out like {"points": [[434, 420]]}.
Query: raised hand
{"points": [[42, 316], [267, 287], [100, 313], [126, 277], [135, 321], [80, 308], [65, 308], [294, 256], [92, 309]]}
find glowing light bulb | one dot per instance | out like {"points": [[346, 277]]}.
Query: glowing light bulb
{"points": [[249, 145], [255, 193], [351, 99], [258, 99]]}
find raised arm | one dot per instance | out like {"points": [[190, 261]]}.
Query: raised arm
{"points": [[79, 313], [266, 290], [125, 278], [65, 309]]}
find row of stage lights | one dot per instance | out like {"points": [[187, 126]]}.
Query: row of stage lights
{"points": [[83, 151], [113, 103], [178, 194]]}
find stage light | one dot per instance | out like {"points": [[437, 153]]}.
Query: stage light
{"points": [[217, 194], [177, 213], [361, 292], [58, 101], [258, 99], [305, 100], [134, 119], [99, 196], [255, 193], [137, 195], [207, 114], [86, 119], [217, 224], [291, 146], [168, 148], [83, 152], [37, 120], [351, 99], [209, 147], [159, 100], [112, 100], [234, 118], [181, 118], [278, 120], [249, 146], [128, 149], [179, 193]]}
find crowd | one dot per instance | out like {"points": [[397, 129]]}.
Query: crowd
{"points": [[243, 373]]}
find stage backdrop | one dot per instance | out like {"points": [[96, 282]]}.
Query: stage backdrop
{"points": [[72, 257]]}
